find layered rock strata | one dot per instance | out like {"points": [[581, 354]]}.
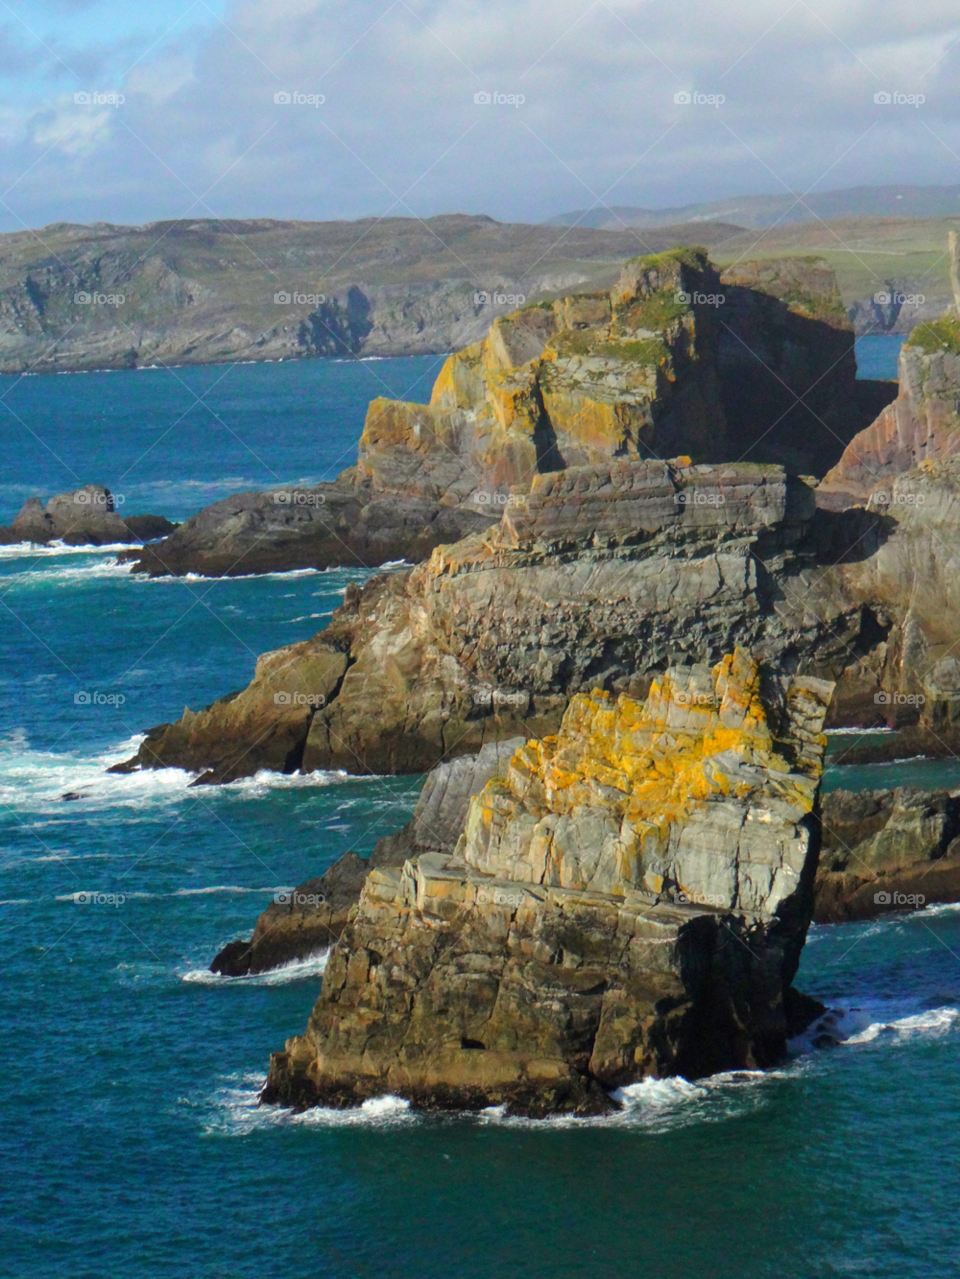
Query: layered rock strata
{"points": [[662, 364], [602, 577], [630, 900], [86, 516], [887, 850]]}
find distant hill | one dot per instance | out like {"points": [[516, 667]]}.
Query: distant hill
{"points": [[204, 291], [754, 211]]}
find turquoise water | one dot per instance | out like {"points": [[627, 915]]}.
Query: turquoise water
{"points": [[172, 440], [132, 1144], [877, 355]]}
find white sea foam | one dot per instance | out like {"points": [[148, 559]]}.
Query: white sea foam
{"points": [[862, 1023], [30, 550], [296, 970], [236, 1111], [651, 1104]]}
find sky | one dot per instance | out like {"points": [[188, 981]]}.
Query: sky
{"points": [[132, 111]]}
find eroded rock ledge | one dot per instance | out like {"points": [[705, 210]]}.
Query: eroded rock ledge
{"points": [[631, 899]]}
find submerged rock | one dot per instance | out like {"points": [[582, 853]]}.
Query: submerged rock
{"points": [[629, 900], [87, 516]]}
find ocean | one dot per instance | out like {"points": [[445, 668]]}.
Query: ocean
{"points": [[132, 1144]]}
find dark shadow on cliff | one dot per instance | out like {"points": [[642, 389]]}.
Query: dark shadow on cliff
{"points": [[339, 326], [787, 383]]}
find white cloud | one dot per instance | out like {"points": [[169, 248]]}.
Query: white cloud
{"points": [[599, 78]]}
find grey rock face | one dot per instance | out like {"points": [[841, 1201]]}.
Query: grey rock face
{"points": [[888, 850], [86, 516], [316, 912]]}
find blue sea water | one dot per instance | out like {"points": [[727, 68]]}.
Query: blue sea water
{"points": [[131, 1142], [172, 440], [877, 355]]}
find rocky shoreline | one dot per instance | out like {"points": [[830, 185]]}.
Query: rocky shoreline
{"points": [[614, 656]]}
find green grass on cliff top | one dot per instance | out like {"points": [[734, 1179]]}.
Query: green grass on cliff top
{"points": [[937, 335]]}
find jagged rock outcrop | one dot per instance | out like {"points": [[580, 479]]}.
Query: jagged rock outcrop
{"points": [[313, 916], [658, 366], [887, 850], [86, 516], [921, 425], [602, 577], [631, 899]]}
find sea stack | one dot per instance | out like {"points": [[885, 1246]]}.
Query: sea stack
{"points": [[629, 900]]}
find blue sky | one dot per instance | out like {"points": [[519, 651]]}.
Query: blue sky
{"points": [[590, 107]]}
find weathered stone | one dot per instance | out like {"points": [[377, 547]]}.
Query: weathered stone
{"points": [[921, 425], [887, 850], [85, 517], [602, 577], [538, 965], [643, 370], [316, 912]]}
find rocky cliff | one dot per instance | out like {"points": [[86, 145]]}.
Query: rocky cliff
{"points": [[602, 577], [311, 918], [921, 425], [86, 516], [888, 850], [881, 852], [629, 900], [671, 361]]}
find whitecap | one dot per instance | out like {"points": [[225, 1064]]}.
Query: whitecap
{"points": [[296, 970]]}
